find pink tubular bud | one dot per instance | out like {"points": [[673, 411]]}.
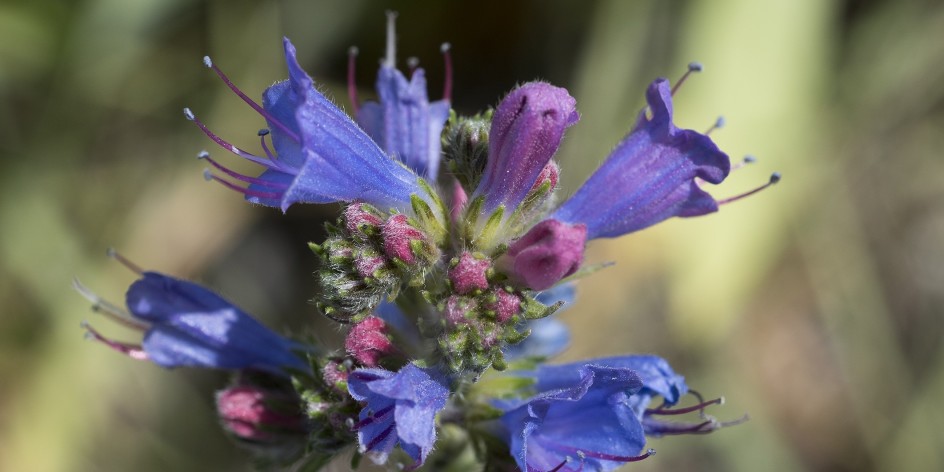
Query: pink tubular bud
{"points": [[547, 253], [256, 414], [368, 342], [459, 199], [398, 236], [469, 274]]}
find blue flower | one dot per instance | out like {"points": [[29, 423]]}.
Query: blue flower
{"points": [[587, 424], [186, 325], [526, 130], [320, 155], [404, 122], [400, 408], [652, 175]]}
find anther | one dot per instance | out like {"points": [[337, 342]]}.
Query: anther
{"points": [[718, 124], [412, 63], [774, 178], [189, 114], [692, 67], [748, 159], [351, 82], [263, 132], [447, 64], [114, 254], [249, 101]]}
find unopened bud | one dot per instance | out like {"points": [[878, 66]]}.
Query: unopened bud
{"points": [[400, 238], [547, 253], [368, 342], [260, 415], [361, 219], [469, 273]]}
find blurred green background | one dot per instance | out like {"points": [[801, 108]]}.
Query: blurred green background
{"points": [[815, 306]]}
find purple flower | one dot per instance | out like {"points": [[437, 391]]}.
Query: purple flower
{"points": [[320, 155], [186, 325], [404, 122], [652, 175], [526, 131], [400, 409], [587, 424]]}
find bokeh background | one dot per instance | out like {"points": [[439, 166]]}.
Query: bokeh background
{"points": [[815, 306]]}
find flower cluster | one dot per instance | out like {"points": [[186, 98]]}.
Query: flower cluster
{"points": [[445, 268]]}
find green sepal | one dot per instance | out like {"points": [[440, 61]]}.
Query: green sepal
{"points": [[485, 239]]}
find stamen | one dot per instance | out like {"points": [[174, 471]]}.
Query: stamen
{"points": [[133, 351], [111, 311], [603, 455], [692, 67], [112, 253], [209, 63], [412, 63], [774, 178], [719, 123], [351, 82], [236, 175], [262, 134], [268, 163], [391, 59], [748, 159], [243, 190], [681, 411], [447, 64]]}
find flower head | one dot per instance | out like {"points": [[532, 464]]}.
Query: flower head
{"points": [[400, 408], [404, 122]]}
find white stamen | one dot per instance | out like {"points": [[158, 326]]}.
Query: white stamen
{"points": [[207, 61], [203, 154], [445, 47], [391, 59]]}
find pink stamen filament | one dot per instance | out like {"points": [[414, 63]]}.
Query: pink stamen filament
{"points": [[243, 190], [447, 64], [133, 351], [774, 178], [602, 455], [271, 163], [351, 82], [692, 67], [244, 178], [251, 102], [681, 411]]}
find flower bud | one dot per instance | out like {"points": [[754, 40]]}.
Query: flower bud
{"points": [[361, 219], [368, 342], [257, 414], [399, 238], [506, 305], [469, 273], [526, 131], [547, 253]]}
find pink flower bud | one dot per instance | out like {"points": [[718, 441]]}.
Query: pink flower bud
{"points": [[398, 235], [469, 274], [359, 220], [368, 342], [550, 173], [257, 414], [547, 253], [506, 306]]}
